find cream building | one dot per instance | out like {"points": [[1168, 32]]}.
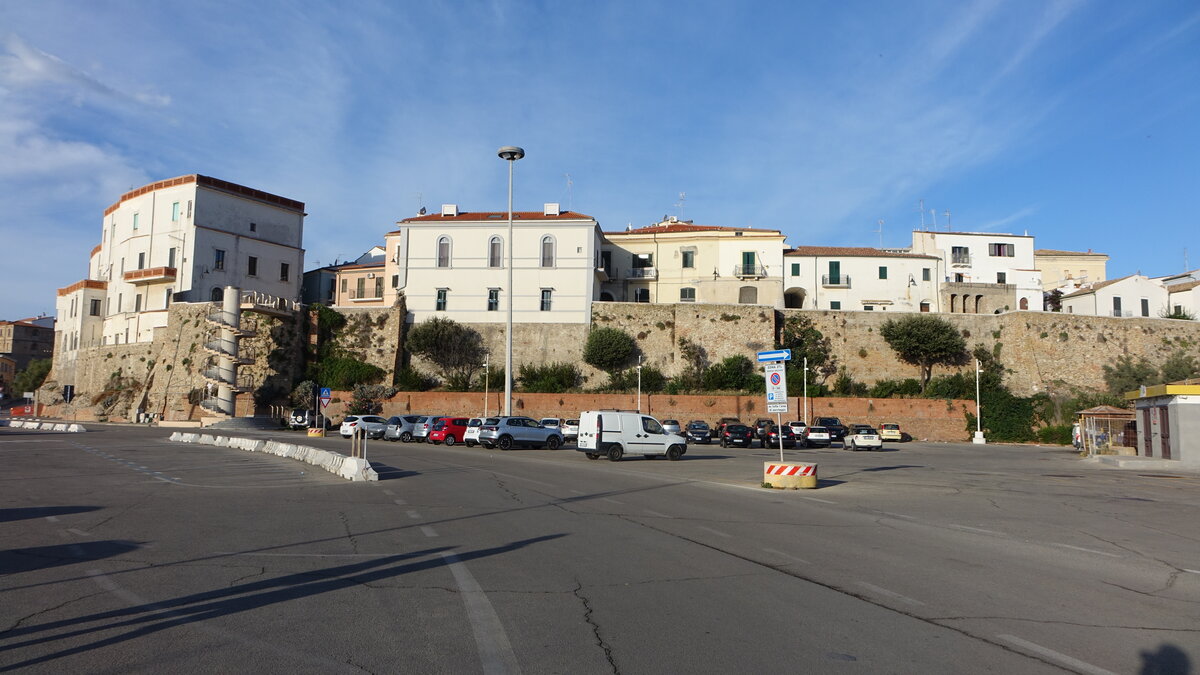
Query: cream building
{"points": [[851, 278], [178, 240], [454, 264], [985, 272], [1131, 296], [1067, 268], [677, 261], [1184, 299]]}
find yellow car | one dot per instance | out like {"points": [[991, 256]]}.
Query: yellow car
{"points": [[890, 431]]}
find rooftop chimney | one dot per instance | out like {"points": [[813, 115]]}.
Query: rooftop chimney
{"points": [[449, 210], [550, 209]]}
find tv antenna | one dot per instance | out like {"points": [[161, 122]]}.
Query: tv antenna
{"points": [[933, 214], [679, 204], [921, 208], [879, 231], [947, 214], [420, 203], [570, 191]]}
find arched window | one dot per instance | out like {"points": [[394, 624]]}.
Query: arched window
{"points": [[547, 251], [217, 294], [1024, 303], [495, 251], [748, 295], [443, 251]]}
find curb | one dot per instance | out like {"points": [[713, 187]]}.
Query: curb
{"points": [[350, 468]]}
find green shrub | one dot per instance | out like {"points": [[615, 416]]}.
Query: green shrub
{"points": [[653, 380], [339, 372], [734, 373], [1058, 435], [552, 378], [411, 379]]}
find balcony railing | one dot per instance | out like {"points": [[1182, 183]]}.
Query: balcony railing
{"points": [[150, 275], [365, 295], [746, 271], [642, 273], [839, 281], [960, 260]]}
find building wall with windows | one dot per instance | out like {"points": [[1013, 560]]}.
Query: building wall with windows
{"points": [[26, 340], [677, 261], [454, 264], [1184, 299], [8, 370], [1063, 268], [179, 240], [1005, 261], [1131, 296], [849, 278], [360, 285]]}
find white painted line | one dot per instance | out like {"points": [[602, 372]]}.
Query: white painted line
{"points": [[578, 492], [1192, 571], [389, 493], [399, 502], [818, 499], [53, 519], [429, 531], [718, 532], [968, 528], [495, 652], [1088, 550], [414, 515], [785, 555], [656, 514], [897, 515], [1067, 661], [78, 532], [891, 594], [606, 499], [308, 555]]}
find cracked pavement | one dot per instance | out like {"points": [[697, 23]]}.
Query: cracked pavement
{"points": [[930, 558]]}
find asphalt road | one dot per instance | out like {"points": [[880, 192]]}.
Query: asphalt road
{"points": [[123, 552]]}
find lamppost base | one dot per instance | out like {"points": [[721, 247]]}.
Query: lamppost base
{"points": [[979, 439]]}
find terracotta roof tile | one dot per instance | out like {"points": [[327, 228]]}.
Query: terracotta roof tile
{"points": [[497, 216], [1096, 286], [851, 251], [1051, 251], [1179, 288], [689, 227]]}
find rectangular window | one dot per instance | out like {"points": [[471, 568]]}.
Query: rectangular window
{"points": [[960, 255], [925, 274], [254, 227], [869, 308], [94, 310], [175, 212], [344, 282], [1116, 306], [219, 260], [882, 272], [167, 297], [171, 257], [1002, 277], [835, 273], [360, 287], [546, 293], [795, 269], [547, 252], [1145, 307], [493, 299], [687, 295], [440, 305], [395, 281], [1002, 250], [836, 304], [284, 271], [135, 221], [252, 268], [137, 302], [689, 259], [189, 209], [379, 286], [120, 302], [643, 260]]}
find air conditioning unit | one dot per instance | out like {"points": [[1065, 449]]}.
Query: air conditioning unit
{"points": [[371, 275]]}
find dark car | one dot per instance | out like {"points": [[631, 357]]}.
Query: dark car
{"points": [[761, 425], [837, 430], [737, 434], [718, 429], [771, 440], [697, 432]]}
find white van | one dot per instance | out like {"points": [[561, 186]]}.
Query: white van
{"points": [[614, 434]]}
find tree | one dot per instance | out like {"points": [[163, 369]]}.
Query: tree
{"points": [[303, 396], [32, 377], [802, 337], [925, 341], [368, 399], [1179, 366], [608, 349], [453, 347], [1052, 300], [1127, 375], [695, 360], [734, 373]]}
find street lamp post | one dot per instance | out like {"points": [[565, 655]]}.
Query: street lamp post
{"points": [[639, 368], [804, 416], [487, 362], [510, 154], [978, 414]]}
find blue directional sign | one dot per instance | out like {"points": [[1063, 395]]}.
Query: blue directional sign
{"points": [[325, 397], [776, 355]]}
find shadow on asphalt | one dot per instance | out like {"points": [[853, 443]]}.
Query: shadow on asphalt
{"points": [[390, 472], [152, 617], [27, 512], [17, 560], [893, 468]]}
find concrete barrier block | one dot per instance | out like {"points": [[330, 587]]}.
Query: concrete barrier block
{"points": [[76, 428], [789, 475], [206, 439], [357, 469], [60, 427], [176, 436], [221, 441]]}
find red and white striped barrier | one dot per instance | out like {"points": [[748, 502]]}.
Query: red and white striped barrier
{"points": [[789, 475]]}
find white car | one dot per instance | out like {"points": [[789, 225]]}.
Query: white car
{"points": [[551, 423], [372, 426], [570, 430], [798, 427], [471, 435], [863, 438]]}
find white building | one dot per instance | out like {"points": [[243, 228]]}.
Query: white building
{"points": [[852, 278], [454, 264], [985, 272], [1134, 295], [1184, 299], [181, 239]]}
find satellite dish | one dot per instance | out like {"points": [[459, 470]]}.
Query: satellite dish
{"points": [[421, 212]]}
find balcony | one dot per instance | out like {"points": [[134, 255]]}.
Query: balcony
{"points": [[960, 260], [749, 271], [839, 281], [642, 273], [365, 296], [150, 275]]}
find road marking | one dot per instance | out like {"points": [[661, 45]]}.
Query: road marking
{"points": [[414, 515], [818, 499], [578, 492], [1088, 550], [495, 652], [897, 515], [1068, 661], [399, 502], [606, 499], [78, 532], [973, 529], [785, 555], [890, 594], [53, 519], [657, 514], [429, 531], [1192, 571], [718, 532], [389, 493], [308, 555]]}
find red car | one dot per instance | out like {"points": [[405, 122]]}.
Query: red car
{"points": [[448, 430]]}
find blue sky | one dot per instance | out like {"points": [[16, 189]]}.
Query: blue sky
{"points": [[1074, 121]]}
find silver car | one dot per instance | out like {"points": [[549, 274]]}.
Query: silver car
{"points": [[372, 426], [400, 427], [511, 432], [423, 426], [672, 427], [570, 429]]}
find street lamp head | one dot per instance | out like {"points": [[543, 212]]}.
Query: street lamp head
{"points": [[511, 153]]}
